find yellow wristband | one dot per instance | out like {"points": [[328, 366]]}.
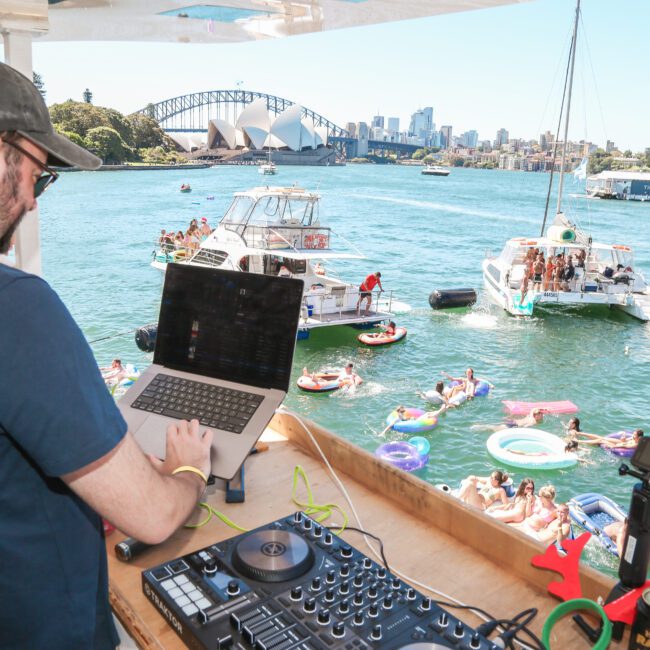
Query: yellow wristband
{"points": [[194, 470]]}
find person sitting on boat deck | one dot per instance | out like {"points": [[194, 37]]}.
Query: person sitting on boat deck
{"points": [[483, 491], [179, 240], [519, 508], [626, 441], [205, 230], [319, 269], [544, 512], [622, 274], [559, 529], [568, 273], [538, 272], [166, 241], [617, 531], [284, 272], [365, 291], [348, 377]]}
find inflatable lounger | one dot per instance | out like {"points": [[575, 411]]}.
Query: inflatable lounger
{"points": [[593, 512], [524, 408]]}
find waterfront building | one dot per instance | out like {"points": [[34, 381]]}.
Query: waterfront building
{"points": [[633, 186], [501, 139], [445, 137], [485, 146], [469, 139]]}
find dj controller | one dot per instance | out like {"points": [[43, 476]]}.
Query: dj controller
{"points": [[293, 584]]}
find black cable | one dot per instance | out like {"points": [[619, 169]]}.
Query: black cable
{"points": [[381, 544], [472, 608], [111, 336]]}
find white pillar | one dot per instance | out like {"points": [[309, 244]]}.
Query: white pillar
{"points": [[18, 54]]}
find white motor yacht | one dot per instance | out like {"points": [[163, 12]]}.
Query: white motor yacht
{"points": [[277, 231], [267, 169], [435, 170]]}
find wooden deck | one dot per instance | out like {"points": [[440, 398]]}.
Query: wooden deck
{"points": [[427, 535]]}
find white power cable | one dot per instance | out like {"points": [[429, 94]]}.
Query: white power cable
{"points": [[284, 410]]}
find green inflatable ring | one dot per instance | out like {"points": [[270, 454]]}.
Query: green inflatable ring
{"points": [[576, 605]]}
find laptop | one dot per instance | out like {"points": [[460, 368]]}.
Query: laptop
{"points": [[223, 355]]}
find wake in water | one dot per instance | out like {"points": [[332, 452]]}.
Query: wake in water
{"points": [[479, 320]]}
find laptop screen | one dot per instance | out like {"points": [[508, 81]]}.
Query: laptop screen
{"points": [[229, 325]]}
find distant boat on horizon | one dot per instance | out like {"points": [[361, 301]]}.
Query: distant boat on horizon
{"points": [[435, 170]]}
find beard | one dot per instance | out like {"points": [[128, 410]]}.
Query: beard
{"points": [[12, 210]]}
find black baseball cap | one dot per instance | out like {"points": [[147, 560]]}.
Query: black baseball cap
{"points": [[22, 109]]}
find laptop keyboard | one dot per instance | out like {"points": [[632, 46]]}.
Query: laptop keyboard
{"points": [[184, 399]]}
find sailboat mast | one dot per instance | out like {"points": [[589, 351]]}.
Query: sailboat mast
{"points": [[568, 109]]}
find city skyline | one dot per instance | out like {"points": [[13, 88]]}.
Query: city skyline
{"points": [[480, 70]]}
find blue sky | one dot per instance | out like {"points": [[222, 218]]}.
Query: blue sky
{"points": [[479, 70]]}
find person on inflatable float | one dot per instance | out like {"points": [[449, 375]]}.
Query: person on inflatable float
{"points": [[535, 417], [466, 384], [625, 441], [403, 415], [348, 377]]}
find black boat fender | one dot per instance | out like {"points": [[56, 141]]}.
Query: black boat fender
{"points": [[446, 298]]}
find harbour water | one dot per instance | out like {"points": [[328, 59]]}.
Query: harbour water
{"points": [[421, 233]]}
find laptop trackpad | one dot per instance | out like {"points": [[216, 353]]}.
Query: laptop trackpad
{"points": [[152, 435]]}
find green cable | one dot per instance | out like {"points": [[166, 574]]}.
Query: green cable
{"points": [[310, 508], [212, 512], [576, 605]]}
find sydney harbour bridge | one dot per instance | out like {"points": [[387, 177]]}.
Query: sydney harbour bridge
{"points": [[192, 113]]}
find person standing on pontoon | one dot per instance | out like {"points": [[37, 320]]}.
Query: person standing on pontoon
{"points": [[365, 291]]}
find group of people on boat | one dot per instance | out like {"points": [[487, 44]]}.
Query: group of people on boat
{"points": [[556, 273], [189, 240]]}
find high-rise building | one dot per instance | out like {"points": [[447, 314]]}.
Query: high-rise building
{"points": [[378, 121], [445, 137], [502, 138], [351, 128], [422, 124], [469, 139], [393, 124], [610, 146], [362, 138]]}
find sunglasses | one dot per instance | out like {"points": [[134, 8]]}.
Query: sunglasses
{"points": [[46, 179]]}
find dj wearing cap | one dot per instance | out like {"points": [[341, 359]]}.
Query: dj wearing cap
{"points": [[66, 456]]}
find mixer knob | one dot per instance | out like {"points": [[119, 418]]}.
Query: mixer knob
{"points": [[296, 593], [306, 525], [475, 641], [315, 584], [443, 619], [346, 551], [344, 607], [330, 578], [318, 531], [324, 616], [358, 599], [358, 618], [459, 630], [210, 567], [297, 518], [396, 584], [338, 629], [381, 572], [358, 580], [344, 588], [233, 588], [309, 605], [425, 605], [388, 602], [328, 539], [376, 634], [373, 610], [329, 595], [372, 592], [344, 571], [367, 563], [410, 593]]}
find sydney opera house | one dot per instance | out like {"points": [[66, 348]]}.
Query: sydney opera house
{"points": [[291, 138]]}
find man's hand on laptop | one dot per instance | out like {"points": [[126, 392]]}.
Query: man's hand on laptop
{"points": [[186, 447]]}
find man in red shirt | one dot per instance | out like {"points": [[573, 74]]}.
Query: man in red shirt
{"points": [[365, 290]]}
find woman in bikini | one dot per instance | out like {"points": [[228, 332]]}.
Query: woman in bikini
{"points": [[544, 512], [559, 529], [548, 274], [482, 491], [519, 508]]}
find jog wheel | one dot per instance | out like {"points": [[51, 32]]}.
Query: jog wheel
{"points": [[273, 556]]}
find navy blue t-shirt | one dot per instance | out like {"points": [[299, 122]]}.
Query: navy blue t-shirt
{"points": [[56, 416]]}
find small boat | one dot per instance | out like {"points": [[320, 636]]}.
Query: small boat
{"points": [[267, 169], [381, 338], [435, 170], [320, 382], [593, 512], [185, 188]]}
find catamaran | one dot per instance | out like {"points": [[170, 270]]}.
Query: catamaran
{"points": [[603, 274], [277, 231]]}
